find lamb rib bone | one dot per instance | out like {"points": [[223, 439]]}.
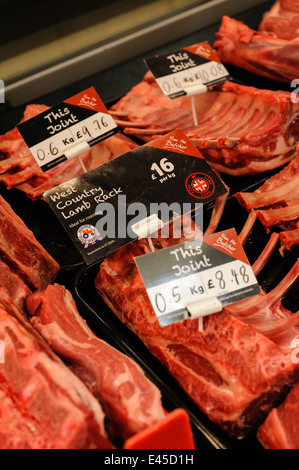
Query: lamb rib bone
{"points": [[22, 251], [241, 130], [276, 203]]}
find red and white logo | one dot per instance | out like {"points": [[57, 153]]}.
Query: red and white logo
{"points": [[88, 235], [88, 101], [200, 185]]}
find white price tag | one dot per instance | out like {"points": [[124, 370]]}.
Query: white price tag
{"points": [[187, 71], [220, 282], [202, 74], [74, 140], [68, 129], [196, 272]]}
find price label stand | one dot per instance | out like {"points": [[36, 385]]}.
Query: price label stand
{"points": [[192, 90]]}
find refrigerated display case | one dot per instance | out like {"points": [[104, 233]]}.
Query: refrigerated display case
{"points": [[60, 49], [49, 46]]}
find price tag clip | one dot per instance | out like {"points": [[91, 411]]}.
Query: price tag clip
{"points": [[76, 150], [201, 308], [195, 89], [146, 226]]}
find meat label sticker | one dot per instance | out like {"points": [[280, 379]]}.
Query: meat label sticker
{"points": [[68, 129], [188, 70], [106, 207], [195, 275]]}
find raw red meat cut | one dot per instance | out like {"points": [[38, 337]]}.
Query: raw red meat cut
{"points": [[276, 202], [130, 401], [12, 287], [282, 20], [21, 250], [257, 52], [280, 429], [43, 404], [19, 169], [232, 372], [145, 111], [241, 130]]}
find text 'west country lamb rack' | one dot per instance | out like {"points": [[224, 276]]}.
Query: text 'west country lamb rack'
{"points": [[241, 129], [130, 401], [231, 371], [18, 168], [276, 203]]}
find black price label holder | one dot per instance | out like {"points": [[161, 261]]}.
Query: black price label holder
{"points": [[168, 169], [188, 71], [67, 130]]}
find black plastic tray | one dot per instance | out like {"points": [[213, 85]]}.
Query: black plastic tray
{"points": [[105, 324]]}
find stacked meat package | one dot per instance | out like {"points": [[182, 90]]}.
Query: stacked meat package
{"points": [[84, 361]]}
